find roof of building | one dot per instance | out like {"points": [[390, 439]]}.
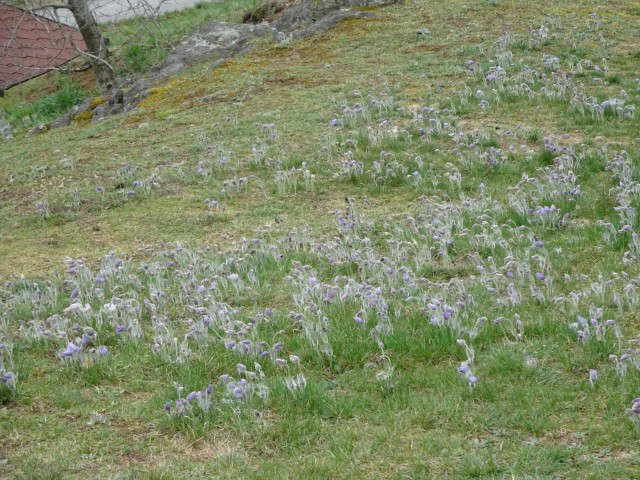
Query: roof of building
{"points": [[31, 45]]}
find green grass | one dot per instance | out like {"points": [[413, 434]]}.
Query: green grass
{"points": [[387, 402], [46, 108], [135, 46], [140, 43]]}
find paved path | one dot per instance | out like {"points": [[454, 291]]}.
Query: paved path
{"points": [[114, 10]]}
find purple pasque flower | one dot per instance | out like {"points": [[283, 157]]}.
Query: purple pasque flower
{"points": [[464, 368], [634, 411], [71, 349], [239, 392]]}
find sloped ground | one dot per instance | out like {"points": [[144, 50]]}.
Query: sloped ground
{"points": [[215, 43], [404, 249]]}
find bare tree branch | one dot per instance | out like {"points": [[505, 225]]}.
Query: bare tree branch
{"points": [[148, 37]]}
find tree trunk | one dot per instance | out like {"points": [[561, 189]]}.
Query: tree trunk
{"points": [[96, 44]]}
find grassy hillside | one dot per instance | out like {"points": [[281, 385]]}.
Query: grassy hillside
{"points": [[134, 44], [407, 248]]}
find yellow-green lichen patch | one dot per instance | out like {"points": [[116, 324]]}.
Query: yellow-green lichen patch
{"points": [[96, 101], [83, 117]]}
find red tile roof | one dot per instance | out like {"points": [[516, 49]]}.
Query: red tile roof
{"points": [[31, 45]]}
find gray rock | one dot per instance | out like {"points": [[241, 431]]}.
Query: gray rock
{"points": [[80, 109], [115, 109], [63, 121], [100, 112], [38, 130], [220, 41], [117, 97]]}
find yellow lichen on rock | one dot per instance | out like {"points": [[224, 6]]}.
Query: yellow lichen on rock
{"points": [[83, 117], [96, 101]]}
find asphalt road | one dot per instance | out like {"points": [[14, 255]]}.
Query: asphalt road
{"points": [[114, 10]]}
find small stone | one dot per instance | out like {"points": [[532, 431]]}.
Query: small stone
{"points": [[38, 130]]}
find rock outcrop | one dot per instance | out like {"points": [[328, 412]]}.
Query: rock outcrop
{"points": [[219, 41]]}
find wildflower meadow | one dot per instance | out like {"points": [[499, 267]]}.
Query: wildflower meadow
{"points": [[408, 248]]}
